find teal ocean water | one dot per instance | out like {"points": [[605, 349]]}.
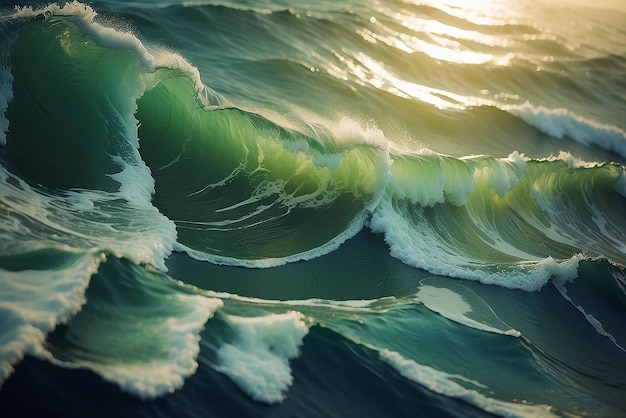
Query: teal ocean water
{"points": [[376, 208]]}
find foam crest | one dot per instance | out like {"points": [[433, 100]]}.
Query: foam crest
{"points": [[435, 182], [350, 231], [34, 302], [571, 161], [258, 359], [446, 384], [451, 180], [563, 122], [349, 131], [500, 175]]}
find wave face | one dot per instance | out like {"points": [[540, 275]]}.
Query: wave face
{"points": [[216, 207]]}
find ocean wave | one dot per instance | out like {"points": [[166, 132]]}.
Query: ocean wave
{"points": [[118, 162], [244, 190], [138, 329], [515, 223], [563, 122], [35, 301], [258, 357]]}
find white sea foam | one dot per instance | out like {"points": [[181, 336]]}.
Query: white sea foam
{"points": [[257, 360], [457, 308], [563, 122], [446, 384], [31, 220], [34, 302]]}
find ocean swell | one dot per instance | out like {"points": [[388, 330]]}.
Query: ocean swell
{"points": [[115, 155]]}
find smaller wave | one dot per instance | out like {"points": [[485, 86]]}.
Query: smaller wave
{"points": [[34, 301], [513, 222], [561, 122], [139, 330], [257, 360]]}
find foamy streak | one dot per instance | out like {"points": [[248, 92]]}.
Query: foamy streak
{"points": [[454, 306], [597, 325], [317, 305], [258, 359], [445, 384], [354, 228], [179, 338], [34, 302], [563, 122]]}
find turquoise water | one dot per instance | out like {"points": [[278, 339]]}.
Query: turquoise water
{"points": [[290, 209]]}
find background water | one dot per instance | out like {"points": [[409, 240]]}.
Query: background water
{"points": [[268, 208]]}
